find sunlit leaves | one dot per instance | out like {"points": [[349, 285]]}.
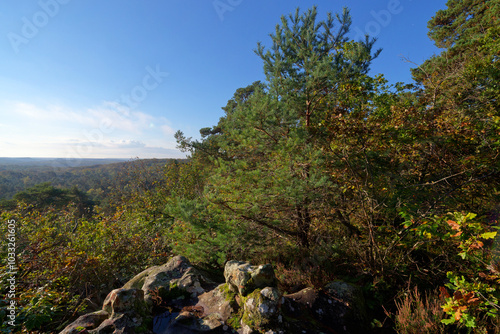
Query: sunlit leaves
{"points": [[468, 299], [463, 237]]}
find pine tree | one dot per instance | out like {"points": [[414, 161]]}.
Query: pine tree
{"points": [[270, 147]]}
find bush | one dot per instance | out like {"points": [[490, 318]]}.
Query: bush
{"points": [[64, 262]]}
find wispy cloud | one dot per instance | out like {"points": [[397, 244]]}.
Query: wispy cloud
{"points": [[50, 113], [117, 116], [107, 130], [121, 118]]}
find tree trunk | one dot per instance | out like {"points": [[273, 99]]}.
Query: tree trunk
{"points": [[303, 225]]}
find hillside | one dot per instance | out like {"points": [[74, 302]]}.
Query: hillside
{"points": [[22, 163], [95, 176]]}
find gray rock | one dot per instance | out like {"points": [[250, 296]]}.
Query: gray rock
{"points": [[243, 278], [186, 323], [261, 308], [87, 321], [170, 280], [249, 297], [121, 324], [128, 301], [219, 301], [245, 329], [138, 281]]}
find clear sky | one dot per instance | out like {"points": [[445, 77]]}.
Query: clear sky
{"points": [[117, 78]]}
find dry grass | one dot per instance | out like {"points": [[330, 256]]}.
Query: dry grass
{"points": [[418, 314]]}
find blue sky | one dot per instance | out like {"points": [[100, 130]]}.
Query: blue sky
{"points": [[117, 78]]}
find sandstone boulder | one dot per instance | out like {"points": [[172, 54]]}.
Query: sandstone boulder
{"points": [[177, 298], [261, 308], [244, 278], [125, 301], [124, 324], [87, 322], [174, 279], [220, 301]]}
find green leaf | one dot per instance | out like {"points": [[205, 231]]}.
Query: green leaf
{"points": [[488, 235], [448, 321], [470, 321]]}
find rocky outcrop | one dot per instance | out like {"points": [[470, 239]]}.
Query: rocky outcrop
{"points": [[219, 301], [130, 308], [88, 322], [177, 298], [125, 301], [175, 278], [244, 278], [261, 309]]}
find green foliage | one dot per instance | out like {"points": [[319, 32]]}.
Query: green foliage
{"points": [[47, 304], [65, 258], [469, 300], [462, 23], [460, 92], [267, 155], [331, 166], [474, 286], [44, 195]]}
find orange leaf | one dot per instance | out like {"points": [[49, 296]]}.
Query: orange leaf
{"points": [[443, 292], [477, 245], [447, 308], [458, 313], [474, 301], [458, 295], [453, 225], [469, 295]]}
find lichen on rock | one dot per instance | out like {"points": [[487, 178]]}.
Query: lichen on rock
{"points": [[261, 308], [249, 302], [244, 278], [86, 322]]}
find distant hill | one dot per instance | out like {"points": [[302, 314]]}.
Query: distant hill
{"points": [[95, 176], [10, 163]]}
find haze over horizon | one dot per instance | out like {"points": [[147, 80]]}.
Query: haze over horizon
{"points": [[102, 80]]}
